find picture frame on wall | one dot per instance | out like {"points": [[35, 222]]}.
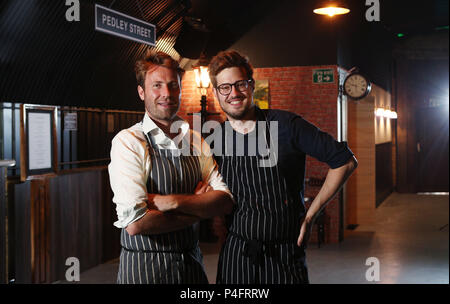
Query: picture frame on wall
{"points": [[37, 141], [261, 93]]}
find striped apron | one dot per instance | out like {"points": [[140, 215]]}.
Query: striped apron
{"points": [[169, 258], [263, 229]]}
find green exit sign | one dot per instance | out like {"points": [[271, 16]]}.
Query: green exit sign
{"points": [[323, 75]]}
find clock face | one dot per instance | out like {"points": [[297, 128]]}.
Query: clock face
{"points": [[356, 86]]}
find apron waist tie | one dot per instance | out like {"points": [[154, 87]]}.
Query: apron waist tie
{"points": [[255, 249], [160, 251]]}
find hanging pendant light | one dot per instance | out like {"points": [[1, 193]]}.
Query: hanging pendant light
{"points": [[331, 8]]}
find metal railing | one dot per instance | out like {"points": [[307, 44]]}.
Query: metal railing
{"points": [[86, 145]]}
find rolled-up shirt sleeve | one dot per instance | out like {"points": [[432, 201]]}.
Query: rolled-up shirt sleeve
{"points": [[128, 177], [318, 144]]}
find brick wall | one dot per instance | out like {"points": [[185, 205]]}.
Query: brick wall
{"points": [[291, 89], [190, 99]]}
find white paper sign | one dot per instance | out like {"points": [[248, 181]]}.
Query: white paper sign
{"points": [[39, 141], [70, 121]]}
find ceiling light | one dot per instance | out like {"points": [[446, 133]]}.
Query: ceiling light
{"points": [[331, 8]]}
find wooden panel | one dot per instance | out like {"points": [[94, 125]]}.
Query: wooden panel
{"points": [[22, 234], [104, 148], [3, 261], [384, 184], [406, 128], [32, 230], [82, 209], [360, 203], [402, 127], [123, 121], [40, 231], [69, 215], [394, 155], [110, 234], [81, 136], [94, 140], [88, 149]]}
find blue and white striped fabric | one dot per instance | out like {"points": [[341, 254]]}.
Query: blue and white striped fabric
{"points": [[169, 258]]}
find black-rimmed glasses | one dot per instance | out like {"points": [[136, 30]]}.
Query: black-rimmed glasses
{"points": [[240, 85]]}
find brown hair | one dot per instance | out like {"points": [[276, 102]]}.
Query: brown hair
{"points": [[150, 61], [228, 59]]}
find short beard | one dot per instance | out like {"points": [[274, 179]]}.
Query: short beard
{"points": [[241, 115], [163, 116], [237, 116]]}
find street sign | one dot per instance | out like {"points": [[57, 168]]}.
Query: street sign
{"points": [[118, 24], [323, 75]]}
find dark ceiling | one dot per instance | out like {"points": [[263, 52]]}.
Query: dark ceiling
{"points": [[415, 17], [229, 20], [218, 24], [45, 59]]}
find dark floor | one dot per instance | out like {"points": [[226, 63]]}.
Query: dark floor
{"points": [[409, 240]]}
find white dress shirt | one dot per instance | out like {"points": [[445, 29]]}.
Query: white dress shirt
{"points": [[130, 166]]}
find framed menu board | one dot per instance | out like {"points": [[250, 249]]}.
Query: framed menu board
{"points": [[38, 150]]}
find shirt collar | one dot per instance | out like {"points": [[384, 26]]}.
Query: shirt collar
{"points": [[160, 138], [260, 115]]}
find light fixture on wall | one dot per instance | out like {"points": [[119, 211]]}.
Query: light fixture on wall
{"points": [[390, 114], [201, 74], [202, 78], [331, 8], [202, 81], [386, 113], [379, 112]]}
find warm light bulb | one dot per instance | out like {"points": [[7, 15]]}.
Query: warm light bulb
{"points": [[379, 112], [201, 77], [392, 115], [331, 11], [204, 76]]}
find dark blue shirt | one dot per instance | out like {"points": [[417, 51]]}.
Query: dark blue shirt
{"points": [[296, 138], [269, 200]]}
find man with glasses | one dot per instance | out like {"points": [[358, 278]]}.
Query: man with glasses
{"points": [[269, 227]]}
